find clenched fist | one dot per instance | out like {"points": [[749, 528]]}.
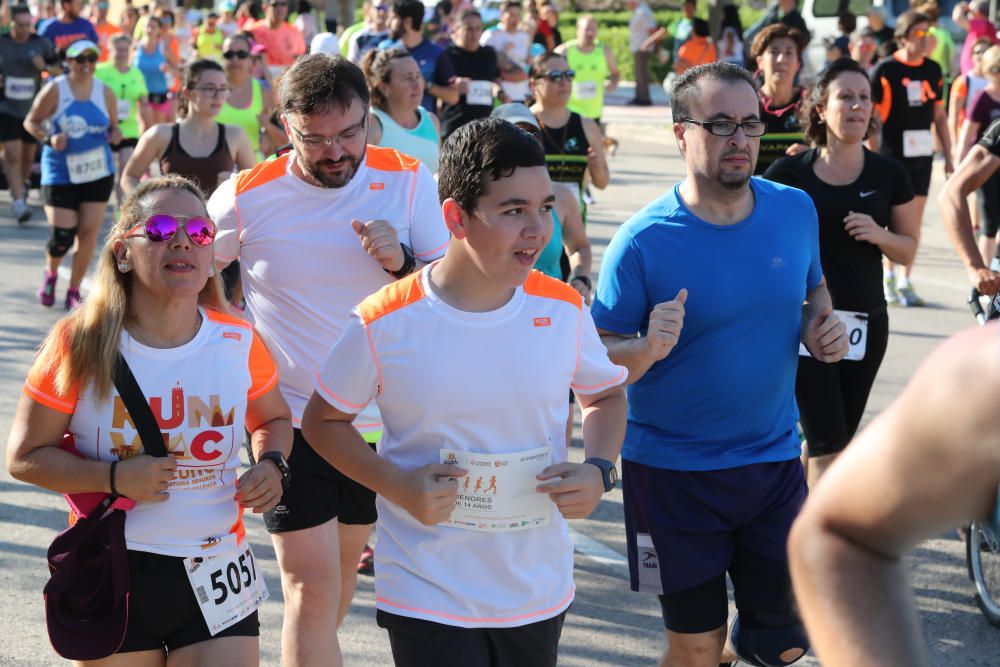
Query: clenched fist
{"points": [[379, 240], [665, 324]]}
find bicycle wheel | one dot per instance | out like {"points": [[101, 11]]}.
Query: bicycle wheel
{"points": [[984, 561]]}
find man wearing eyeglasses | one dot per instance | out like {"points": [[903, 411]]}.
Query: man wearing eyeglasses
{"points": [[283, 41], [22, 60], [316, 231], [376, 29], [908, 91], [711, 462]]}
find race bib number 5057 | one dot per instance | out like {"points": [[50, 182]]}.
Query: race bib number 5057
{"points": [[228, 586]]}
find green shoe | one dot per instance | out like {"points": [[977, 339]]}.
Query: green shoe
{"points": [[909, 298], [889, 289]]}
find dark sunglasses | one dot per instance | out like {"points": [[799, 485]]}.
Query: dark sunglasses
{"points": [[90, 58], [242, 55], [556, 75], [161, 228]]}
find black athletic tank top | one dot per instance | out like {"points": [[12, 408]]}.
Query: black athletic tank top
{"points": [[566, 151], [202, 170]]}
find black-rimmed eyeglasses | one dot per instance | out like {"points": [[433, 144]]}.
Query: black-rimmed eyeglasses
{"points": [[727, 128]]}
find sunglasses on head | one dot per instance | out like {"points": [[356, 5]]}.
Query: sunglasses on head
{"points": [[241, 54], [558, 75], [85, 58], [161, 227]]}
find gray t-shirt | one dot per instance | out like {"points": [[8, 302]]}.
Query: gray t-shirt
{"points": [[20, 78]]}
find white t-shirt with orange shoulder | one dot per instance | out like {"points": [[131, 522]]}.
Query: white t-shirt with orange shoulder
{"points": [[302, 265], [493, 383], [199, 394]]}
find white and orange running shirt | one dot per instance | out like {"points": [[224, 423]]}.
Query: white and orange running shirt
{"points": [[198, 393], [495, 383], [302, 265]]}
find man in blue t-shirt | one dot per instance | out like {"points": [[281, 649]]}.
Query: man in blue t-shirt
{"points": [[710, 462], [68, 27], [405, 19]]}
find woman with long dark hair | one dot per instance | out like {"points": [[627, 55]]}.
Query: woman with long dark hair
{"points": [[866, 210]]}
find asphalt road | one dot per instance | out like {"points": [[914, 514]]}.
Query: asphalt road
{"points": [[607, 625]]}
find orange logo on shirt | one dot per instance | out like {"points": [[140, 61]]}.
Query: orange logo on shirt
{"points": [[542, 321], [233, 334], [377, 186]]}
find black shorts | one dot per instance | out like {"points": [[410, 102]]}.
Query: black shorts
{"points": [[686, 529], [318, 492], [988, 198], [920, 169], [418, 643], [163, 612], [158, 98], [832, 397], [71, 196], [12, 129], [124, 143]]}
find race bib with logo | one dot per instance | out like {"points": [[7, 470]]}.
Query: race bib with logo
{"points": [[124, 109], [517, 91], [915, 93], [480, 93], [19, 88], [499, 492], [88, 166], [917, 143], [229, 587], [585, 90], [857, 335]]}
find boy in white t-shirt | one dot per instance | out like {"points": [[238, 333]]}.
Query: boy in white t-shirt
{"points": [[469, 361]]}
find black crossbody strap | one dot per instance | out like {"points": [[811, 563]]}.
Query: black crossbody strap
{"points": [[138, 409]]}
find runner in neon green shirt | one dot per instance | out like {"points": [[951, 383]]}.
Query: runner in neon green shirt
{"points": [[594, 64]]}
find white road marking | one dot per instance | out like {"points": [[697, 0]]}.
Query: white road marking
{"points": [[594, 550]]}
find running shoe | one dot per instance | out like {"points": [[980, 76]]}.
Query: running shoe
{"points": [[889, 289], [47, 292], [73, 298], [21, 211], [366, 565], [908, 297]]}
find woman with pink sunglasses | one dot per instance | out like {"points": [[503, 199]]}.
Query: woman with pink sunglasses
{"points": [[206, 376]]}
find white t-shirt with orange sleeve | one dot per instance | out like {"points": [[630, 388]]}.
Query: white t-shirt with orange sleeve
{"points": [[494, 383], [199, 394], [302, 265]]}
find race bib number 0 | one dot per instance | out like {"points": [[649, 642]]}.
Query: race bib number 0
{"points": [[88, 166], [499, 492], [124, 109], [585, 90], [857, 335], [917, 143], [19, 88], [480, 93], [228, 586]]}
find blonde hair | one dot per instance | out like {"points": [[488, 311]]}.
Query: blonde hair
{"points": [[991, 59], [83, 346]]}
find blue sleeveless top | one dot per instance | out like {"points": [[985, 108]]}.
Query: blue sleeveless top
{"points": [[149, 65], [548, 260], [87, 157]]}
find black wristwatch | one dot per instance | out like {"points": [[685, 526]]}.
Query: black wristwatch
{"points": [[608, 471], [585, 280], [409, 263], [279, 460]]}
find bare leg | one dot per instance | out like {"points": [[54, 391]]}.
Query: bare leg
{"points": [[221, 652], [310, 580], [703, 649], [352, 542], [921, 202], [13, 169], [817, 466], [133, 659], [91, 217]]}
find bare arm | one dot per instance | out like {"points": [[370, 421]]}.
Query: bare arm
{"points": [[270, 424], [960, 15], [639, 353], [41, 110], [967, 137], [823, 334], [447, 94], [151, 146], [575, 240], [973, 171], [614, 75], [374, 130], [597, 163], [243, 154], [941, 128], [928, 463]]}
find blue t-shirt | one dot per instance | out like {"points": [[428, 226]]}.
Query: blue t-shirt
{"points": [[725, 395], [63, 34], [435, 65]]}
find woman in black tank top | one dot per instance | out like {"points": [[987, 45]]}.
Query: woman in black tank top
{"points": [[573, 145], [197, 147]]}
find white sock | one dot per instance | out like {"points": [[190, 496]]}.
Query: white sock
{"points": [[888, 274], [904, 282]]}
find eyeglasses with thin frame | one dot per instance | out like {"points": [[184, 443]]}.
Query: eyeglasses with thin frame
{"points": [[212, 91], [727, 128], [555, 75], [162, 227], [315, 141]]}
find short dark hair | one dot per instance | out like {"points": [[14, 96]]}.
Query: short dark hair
{"points": [[17, 10], [685, 87], [466, 13], [812, 127], [481, 151], [409, 9], [319, 81], [847, 22], [699, 28], [509, 4], [777, 31], [907, 20]]}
